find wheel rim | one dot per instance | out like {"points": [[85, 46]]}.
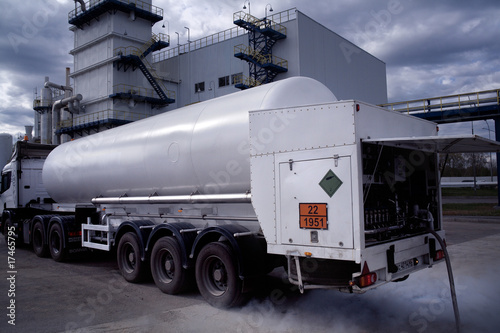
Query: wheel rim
{"points": [[129, 258], [55, 241], [166, 266], [215, 276]]}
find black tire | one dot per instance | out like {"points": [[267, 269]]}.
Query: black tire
{"points": [[6, 224], [166, 267], [217, 276], [39, 247], [128, 256], [56, 243]]}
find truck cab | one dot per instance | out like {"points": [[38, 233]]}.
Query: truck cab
{"points": [[21, 181]]}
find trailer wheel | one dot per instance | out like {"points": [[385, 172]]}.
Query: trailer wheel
{"points": [[39, 247], [217, 276], [166, 266], [56, 244], [131, 266]]}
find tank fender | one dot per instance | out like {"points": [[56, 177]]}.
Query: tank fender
{"points": [[185, 239], [44, 219], [249, 250], [142, 233], [68, 224]]}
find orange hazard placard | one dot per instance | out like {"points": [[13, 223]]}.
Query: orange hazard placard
{"points": [[313, 215]]}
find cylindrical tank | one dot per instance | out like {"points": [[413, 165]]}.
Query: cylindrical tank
{"points": [[199, 148], [5, 149]]}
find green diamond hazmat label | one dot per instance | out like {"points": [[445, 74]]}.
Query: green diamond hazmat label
{"points": [[330, 183]]}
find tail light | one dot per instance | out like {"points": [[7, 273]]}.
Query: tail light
{"points": [[366, 278], [438, 255]]}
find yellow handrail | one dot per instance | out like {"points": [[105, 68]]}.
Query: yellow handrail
{"points": [[261, 58], [241, 15], [102, 115], [247, 81], [133, 90]]}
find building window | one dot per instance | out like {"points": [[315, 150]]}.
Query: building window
{"points": [[223, 81], [199, 87], [236, 78]]}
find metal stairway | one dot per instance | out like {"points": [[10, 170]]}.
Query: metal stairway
{"points": [[136, 58], [156, 43], [262, 36]]}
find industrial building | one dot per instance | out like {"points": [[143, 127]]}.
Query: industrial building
{"points": [[123, 72]]}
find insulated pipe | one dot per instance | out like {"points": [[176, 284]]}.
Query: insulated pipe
{"points": [[45, 127], [56, 116], [74, 106], [82, 3], [57, 86]]}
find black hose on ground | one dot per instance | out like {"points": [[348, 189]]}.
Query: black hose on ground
{"points": [[450, 277]]}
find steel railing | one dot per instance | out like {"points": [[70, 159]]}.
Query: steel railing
{"points": [[219, 37], [262, 59], [444, 103], [199, 43], [133, 90], [138, 3], [247, 81], [132, 50], [102, 116]]}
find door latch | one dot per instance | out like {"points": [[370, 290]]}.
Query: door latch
{"points": [[336, 159]]}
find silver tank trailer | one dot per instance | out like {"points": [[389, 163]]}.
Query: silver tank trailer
{"points": [[202, 148]]}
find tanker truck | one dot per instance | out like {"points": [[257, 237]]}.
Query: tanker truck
{"points": [[342, 194]]}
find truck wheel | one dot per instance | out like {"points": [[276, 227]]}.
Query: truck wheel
{"points": [[6, 224], [166, 266], [39, 247], [217, 276], [56, 244], [131, 266]]}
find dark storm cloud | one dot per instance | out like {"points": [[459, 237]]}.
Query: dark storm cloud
{"points": [[34, 43], [34, 39], [430, 48]]}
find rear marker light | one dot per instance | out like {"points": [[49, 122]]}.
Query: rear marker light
{"points": [[366, 279], [439, 255]]}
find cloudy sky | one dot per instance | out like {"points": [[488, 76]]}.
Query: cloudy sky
{"points": [[431, 48]]}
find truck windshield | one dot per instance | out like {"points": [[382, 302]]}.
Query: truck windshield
{"points": [[6, 177]]}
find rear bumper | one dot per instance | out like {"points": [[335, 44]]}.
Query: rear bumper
{"points": [[396, 260], [390, 261]]}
